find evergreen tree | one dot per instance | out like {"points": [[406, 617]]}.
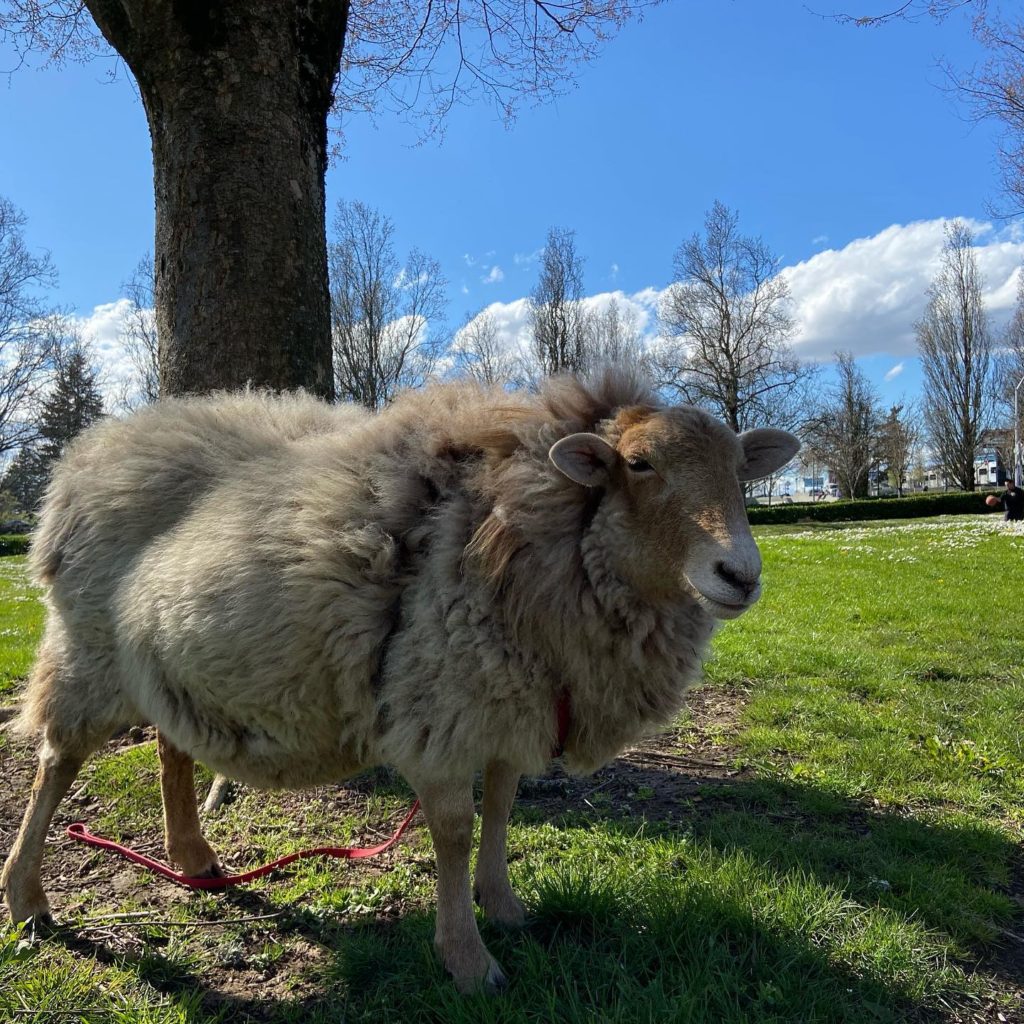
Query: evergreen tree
{"points": [[74, 403], [26, 479]]}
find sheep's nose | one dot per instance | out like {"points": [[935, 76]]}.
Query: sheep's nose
{"points": [[741, 577]]}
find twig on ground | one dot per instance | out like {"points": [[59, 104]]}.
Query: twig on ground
{"points": [[164, 923], [115, 917], [679, 759]]}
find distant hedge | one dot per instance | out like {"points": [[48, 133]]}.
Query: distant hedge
{"points": [[956, 503], [14, 544]]}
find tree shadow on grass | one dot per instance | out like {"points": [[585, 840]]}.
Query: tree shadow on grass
{"points": [[958, 874], [618, 945], [958, 877]]}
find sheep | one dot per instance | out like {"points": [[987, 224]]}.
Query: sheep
{"points": [[293, 594]]}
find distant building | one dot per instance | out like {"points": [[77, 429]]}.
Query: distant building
{"points": [[989, 471]]}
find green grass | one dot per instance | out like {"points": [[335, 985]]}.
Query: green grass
{"points": [[21, 623], [857, 868], [886, 661]]}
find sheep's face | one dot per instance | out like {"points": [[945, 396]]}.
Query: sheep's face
{"points": [[674, 519]]}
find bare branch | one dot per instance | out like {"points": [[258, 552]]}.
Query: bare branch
{"points": [[139, 338], [29, 332], [844, 433], [556, 313], [955, 348], [387, 317], [727, 322]]}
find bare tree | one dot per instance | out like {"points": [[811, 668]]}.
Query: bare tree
{"points": [[955, 349], [727, 322], [138, 336], [904, 10], [430, 57], [556, 311], [1009, 359], [483, 356], [238, 97], [844, 433], [992, 90], [613, 336], [1009, 385], [28, 331], [386, 316], [899, 442]]}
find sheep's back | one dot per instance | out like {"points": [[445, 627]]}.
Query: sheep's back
{"points": [[124, 482]]}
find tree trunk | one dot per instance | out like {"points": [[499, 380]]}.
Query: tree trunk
{"points": [[237, 98]]}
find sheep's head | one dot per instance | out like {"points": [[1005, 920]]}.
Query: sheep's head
{"points": [[673, 512]]}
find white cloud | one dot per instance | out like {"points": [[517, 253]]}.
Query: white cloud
{"points": [[819, 239], [526, 259], [470, 260], [865, 297], [101, 330], [512, 319], [614, 271], [643, 304]]}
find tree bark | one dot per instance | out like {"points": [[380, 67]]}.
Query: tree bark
{"points": [[237, 97]]}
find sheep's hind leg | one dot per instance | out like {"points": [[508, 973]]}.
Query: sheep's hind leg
{"points": [[449, 811], [21, 875], [183, 835], [493, 890]]}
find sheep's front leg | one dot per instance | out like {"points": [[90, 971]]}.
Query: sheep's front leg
{"points": [[493, 891], [448, 807], [183, 835], [21, 875]]}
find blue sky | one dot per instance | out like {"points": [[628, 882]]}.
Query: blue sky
{"points": [[837, 144]]}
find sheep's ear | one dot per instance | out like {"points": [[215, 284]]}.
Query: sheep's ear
{"points": [[584, 458], [766, 450]]}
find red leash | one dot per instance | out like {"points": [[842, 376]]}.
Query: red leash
{"points": [[80, 832]]}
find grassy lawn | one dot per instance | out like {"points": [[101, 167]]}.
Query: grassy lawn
{"points": [[21, 624], [834, 834]]}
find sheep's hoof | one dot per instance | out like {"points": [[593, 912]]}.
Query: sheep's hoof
{"points": [[503, 908], [39, 923], [32, 907], [474, 971], [215, 871], [493, 981], [197, 860]]}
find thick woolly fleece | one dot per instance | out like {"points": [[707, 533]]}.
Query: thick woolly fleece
{"points": [[293, 593]]}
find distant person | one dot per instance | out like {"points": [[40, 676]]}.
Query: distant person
{"points": [[1012, 500]]}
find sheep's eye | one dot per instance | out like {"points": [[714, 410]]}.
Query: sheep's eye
{"points": [[639, 465]]}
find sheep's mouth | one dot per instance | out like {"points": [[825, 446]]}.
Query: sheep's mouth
{"points": [[723, 609]]}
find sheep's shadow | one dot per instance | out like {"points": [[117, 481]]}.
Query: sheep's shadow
{"points": [[382, 969]]}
